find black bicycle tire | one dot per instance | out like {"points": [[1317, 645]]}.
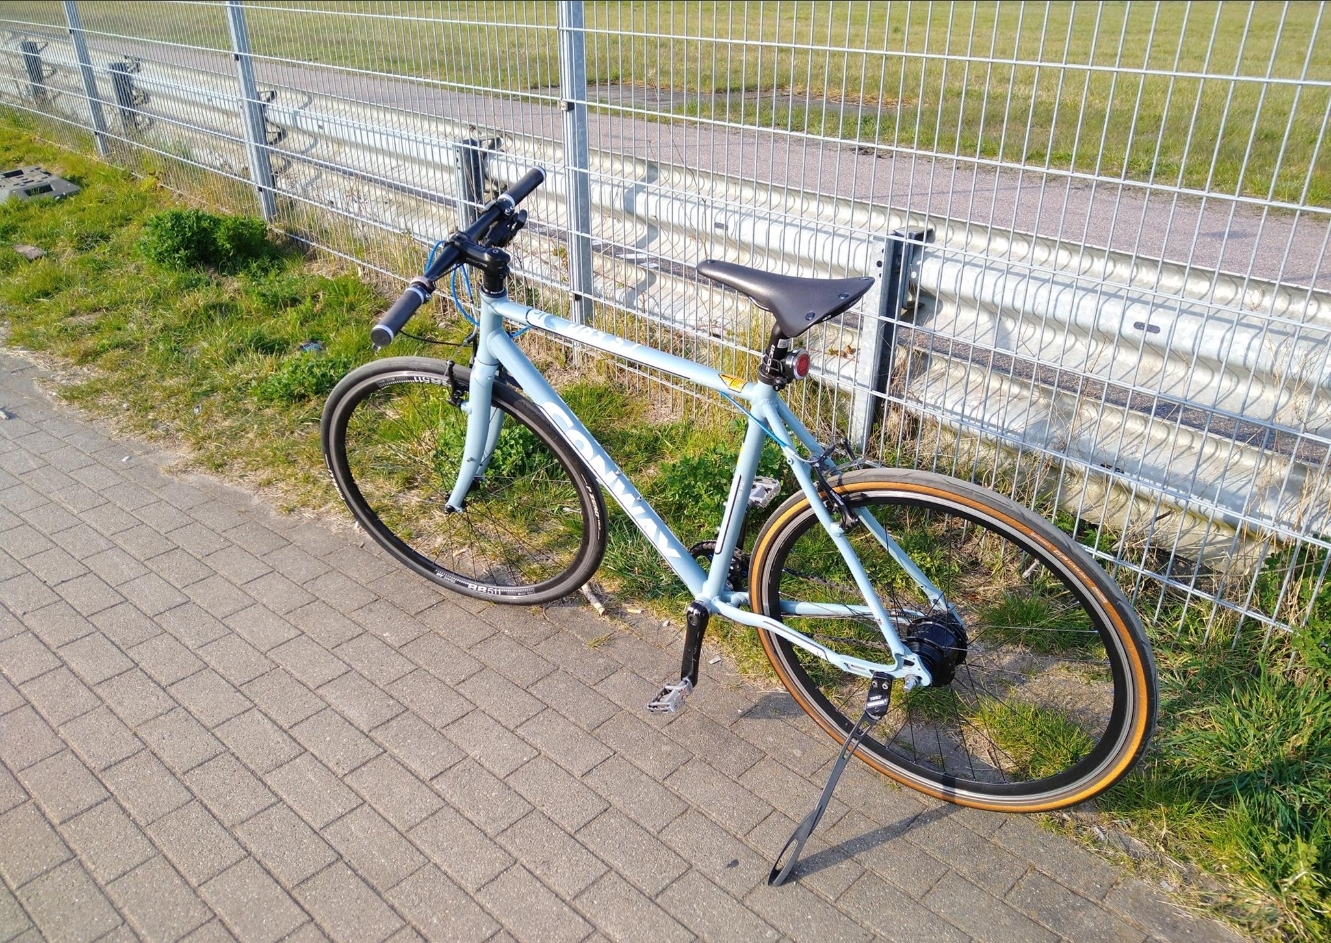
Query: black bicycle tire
{"points": [[354, 388], [1127, 649]]}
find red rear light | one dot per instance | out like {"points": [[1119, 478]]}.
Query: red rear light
{"points": [[800, 368]]}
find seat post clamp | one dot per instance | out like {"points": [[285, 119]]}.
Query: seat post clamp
{"points": [[771, 369]]}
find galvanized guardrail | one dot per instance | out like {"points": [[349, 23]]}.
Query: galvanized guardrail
{"points": [[1189, 410]]}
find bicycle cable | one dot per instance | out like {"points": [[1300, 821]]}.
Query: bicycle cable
{"points": [[814, 462], [464, 310], [761, 425], [471, 297], [465, 342]]}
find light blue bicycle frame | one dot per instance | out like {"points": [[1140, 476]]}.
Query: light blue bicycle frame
{"points": [[768, 416]]}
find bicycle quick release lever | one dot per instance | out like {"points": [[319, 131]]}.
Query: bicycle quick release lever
{"points": [[492, 223]]}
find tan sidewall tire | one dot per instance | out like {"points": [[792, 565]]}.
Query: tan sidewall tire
{"points": [[1129, 638]]}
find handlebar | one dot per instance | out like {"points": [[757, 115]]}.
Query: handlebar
{"points": [[396, 317], [449, 257], [525, 186]]}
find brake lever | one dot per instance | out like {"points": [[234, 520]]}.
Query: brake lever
{"points": [[504, 229]]}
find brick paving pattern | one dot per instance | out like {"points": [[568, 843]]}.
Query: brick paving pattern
{"points": [[221, 723]]}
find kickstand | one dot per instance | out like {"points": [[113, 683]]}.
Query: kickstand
{"points": [[875, 708]]}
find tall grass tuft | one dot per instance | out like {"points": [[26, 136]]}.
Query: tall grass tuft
{"points": [[191, 238]]}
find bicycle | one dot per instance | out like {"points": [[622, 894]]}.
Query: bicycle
{"points": [[1026, 681]]}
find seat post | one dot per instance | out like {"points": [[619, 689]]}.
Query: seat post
{"points": [[769, 369]]}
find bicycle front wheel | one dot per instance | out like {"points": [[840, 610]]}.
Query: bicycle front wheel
{"points": [[1046, 691], [533, 526]]}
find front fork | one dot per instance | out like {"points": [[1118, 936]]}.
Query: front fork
{"points": [[484, 423]]}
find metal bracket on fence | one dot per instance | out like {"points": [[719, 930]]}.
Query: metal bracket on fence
{"points": [[897, 299], [252, 111], [89, 79], [130, 99], [38, 71], [273, 133]]}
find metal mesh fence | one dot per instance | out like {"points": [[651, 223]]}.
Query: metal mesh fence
{"points": [[1101, 229]]}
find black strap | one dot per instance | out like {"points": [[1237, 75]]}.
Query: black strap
{"points": [[880, 692]]}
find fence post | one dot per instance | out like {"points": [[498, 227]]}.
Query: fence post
{"points": [[89, 80], [901, 257], [577, 158], [256, 133]]}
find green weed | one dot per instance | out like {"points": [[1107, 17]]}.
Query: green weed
{"points": [[931, 704], [186, 238], [1039, 743], [302, 376], [690, 489], [1063, 627], [1238, 776], [519, 454]]}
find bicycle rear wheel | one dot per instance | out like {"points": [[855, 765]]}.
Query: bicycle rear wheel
{"points": [[533, 526], [1046, 692]]}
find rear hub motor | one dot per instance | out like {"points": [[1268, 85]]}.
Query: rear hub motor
{"points": [[941, 642]]}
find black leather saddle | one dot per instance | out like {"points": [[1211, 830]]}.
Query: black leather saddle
{"points": [[796, 303]]}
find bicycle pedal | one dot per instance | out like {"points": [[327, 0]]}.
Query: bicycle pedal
{"points": [[763, 491], [671, 697]]}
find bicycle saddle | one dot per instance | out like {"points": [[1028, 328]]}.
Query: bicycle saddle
{"points": [[796, 303]]}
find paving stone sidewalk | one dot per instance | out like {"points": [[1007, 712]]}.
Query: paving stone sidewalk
{"points": [[218, 722]]}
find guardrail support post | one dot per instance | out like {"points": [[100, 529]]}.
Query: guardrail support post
{"points": [[256, 132], [123, 87], [89, 79], [471, 179], [901, 259], [36, 69], [577, 157]]}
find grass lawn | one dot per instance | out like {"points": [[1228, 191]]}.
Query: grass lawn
{"points": [[1229, 807], [1138, 91]]}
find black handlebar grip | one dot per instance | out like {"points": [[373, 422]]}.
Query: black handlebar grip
{"points": [[396, 317], [525, 185]]}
